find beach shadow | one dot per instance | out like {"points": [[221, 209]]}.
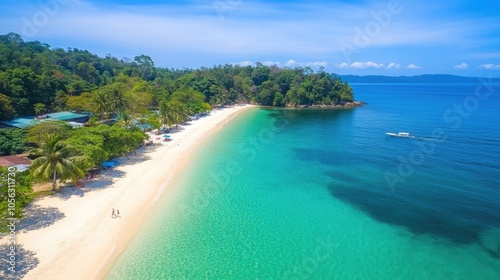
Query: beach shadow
{"points": [[37, 217], [151, 148], [133, 159], [99, 182], [68, 191], [115, 173], [103, 180], [176, 129], [24, 262]]}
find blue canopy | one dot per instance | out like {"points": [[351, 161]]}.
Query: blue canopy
{"points": [[166, 136], [109, 164]]}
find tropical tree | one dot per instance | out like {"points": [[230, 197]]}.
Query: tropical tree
{"points": [[54, 160], [180, 111], [37, 133], [101, 102], [117, 100], [194, 100], [125, 120], [40, 108], [12, 141], [154, 121], [116, 140], [6, 110], [220, 99], [80, 103], [166, 114], [89, 146]]}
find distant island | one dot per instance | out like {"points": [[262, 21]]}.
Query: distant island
{"points": [[427, 78]]}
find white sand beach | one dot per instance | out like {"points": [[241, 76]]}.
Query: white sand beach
{"points": [[72, 235]]}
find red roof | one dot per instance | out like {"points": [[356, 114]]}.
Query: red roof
{"points": [[13, 160]]}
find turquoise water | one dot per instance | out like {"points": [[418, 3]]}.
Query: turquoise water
{"points": [[322, 194]]}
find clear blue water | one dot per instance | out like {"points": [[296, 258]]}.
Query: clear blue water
{"points": [[325, 194]]}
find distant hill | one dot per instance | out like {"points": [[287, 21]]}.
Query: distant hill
{"points": [[428, 78]]}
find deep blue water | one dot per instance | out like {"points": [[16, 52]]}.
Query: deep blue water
{"points": [[447, 183], [262, 197]]}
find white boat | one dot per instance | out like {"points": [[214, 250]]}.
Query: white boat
{"points": [[400, 134]]}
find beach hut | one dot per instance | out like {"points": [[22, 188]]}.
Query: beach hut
{"points": [[19, 162]]}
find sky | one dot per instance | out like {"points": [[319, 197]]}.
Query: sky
{"points": [[376, 37]]}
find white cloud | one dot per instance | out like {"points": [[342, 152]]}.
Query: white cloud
{"points": [[244, 63], [316, 64], [393, 65], [343, 65], [490, 66], [313, 64], [413, 67], [271, 63], [290, 63], [462, 66], [360, 65]]}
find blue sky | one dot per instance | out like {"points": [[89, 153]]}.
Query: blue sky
{"points": [[389, 37]]}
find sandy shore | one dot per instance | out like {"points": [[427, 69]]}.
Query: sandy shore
{"points": [[73, 236]]}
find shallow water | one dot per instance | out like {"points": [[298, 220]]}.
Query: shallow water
{"points": [[321, 194]]}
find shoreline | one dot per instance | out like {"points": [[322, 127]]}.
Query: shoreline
{"points": [[347, 105], [80, 226]]}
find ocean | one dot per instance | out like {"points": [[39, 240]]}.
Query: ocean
{"points": [[325, 194]]}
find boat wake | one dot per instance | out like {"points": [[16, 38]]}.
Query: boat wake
{"points": [[426, 139]]}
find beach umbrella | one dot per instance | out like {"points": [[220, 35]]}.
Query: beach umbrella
{"points": [[166, 136]]}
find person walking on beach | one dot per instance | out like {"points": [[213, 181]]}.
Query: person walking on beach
{"points": [[113, 215], [118, 213]]}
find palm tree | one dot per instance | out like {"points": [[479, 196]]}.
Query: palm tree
{"points": [[181, 112], [126, 120], [117, 100], [101, 102], [166, 114], [53, 160]]}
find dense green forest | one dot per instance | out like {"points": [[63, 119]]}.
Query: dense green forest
{"points": [[36, 79]]}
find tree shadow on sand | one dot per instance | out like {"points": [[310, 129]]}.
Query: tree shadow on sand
{"points": [[175, 129], [102, 181], [37, 217], [24, 262], [135, 159], [150, 148]]}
